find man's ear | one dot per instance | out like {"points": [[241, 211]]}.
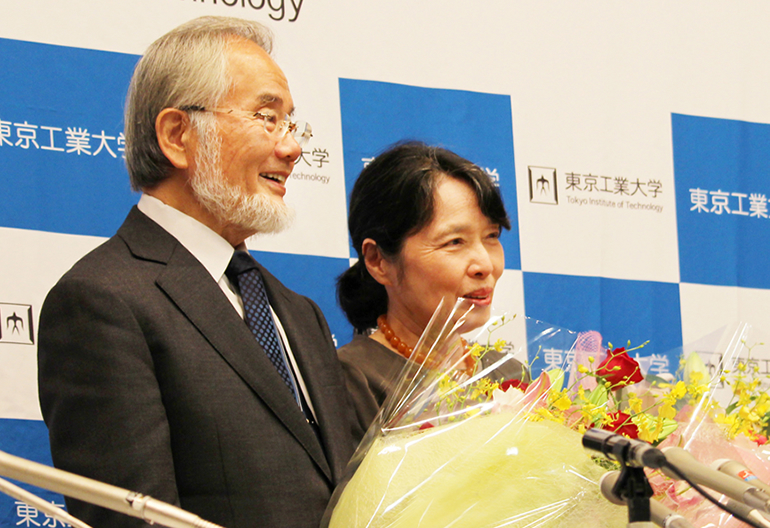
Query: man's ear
{"points": [[176, 137], [380, 268]]}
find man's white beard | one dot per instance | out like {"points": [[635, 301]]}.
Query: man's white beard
{"points": [[255, 212]]}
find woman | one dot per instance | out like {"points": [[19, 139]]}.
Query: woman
{"points": [[425, 223]]}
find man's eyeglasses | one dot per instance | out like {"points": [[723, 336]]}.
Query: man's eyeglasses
{"points": [[301, 131]]}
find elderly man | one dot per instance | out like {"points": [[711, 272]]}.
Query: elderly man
{"points": [[170, 362]]}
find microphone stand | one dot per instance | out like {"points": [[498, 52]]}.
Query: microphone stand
{"points": [[633, 486]]}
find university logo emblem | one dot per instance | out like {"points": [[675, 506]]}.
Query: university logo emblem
{"points": [[16, 324], [542, 186]]}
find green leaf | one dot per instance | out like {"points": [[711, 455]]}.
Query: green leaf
{"points": [[695, 364], [650, 422], [599, 395], [556, 375]]}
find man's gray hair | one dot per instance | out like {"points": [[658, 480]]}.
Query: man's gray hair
{"points": [[185, 67]]}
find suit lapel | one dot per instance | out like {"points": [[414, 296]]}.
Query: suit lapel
{"points": [[211, 313], [316, 358]]}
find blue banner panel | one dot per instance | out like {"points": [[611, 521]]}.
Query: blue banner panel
{"points": [[26, 439], [61, 138], [620, 310], [720, 169], [314, 277], [477, 126]]}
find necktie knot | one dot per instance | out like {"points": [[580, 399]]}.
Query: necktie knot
{"points": [[241, 262]]}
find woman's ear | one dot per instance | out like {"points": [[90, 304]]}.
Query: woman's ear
{"points": [[379, 267], [175, 137]]}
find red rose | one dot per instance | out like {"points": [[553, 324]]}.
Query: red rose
{"points": [[516, 384], [619, 369], [622, 424]]}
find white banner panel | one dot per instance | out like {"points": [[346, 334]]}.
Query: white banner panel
{"points": [[32, 263]]}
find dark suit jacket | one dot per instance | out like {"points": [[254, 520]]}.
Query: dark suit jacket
{"points": [[150, 380]]}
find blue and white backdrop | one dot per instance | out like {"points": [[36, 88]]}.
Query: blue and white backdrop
{"points": [[631, 141]]}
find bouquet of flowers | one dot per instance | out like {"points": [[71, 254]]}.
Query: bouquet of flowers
{"points": [[725, 416], [499, 444]]}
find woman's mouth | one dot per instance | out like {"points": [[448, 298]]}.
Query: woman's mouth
{"points": [[481, 297]]}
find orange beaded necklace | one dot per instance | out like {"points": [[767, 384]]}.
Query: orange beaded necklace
{"points": [[393, 339], [407, 351]]}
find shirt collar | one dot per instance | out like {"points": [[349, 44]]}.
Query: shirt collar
{"points": [[211, 250]]}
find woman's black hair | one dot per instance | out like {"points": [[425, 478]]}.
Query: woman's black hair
{"points": [[391, 200]]}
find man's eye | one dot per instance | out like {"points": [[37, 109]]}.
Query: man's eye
{"points": [[269, 118]]}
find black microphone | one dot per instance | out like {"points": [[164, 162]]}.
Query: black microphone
{"points": [[732, 487], [633, 453], [659, 514]]}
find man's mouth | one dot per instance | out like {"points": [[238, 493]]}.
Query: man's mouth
{"points": [[280, 178]]}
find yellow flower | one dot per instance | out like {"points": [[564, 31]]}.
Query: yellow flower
{"points": [[487, 386], [744, 396], [696, 391], [648, 427], [583, 369], [591, 413], [762, 404], [606, 419], [563, 402], [635, 403], [666, 410], [747, 414], [644, 433], [696, 377], [548, 415], [476, 350], [680, 389]]}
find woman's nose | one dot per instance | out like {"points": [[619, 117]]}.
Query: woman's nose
{"points": [[481, 264]]}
